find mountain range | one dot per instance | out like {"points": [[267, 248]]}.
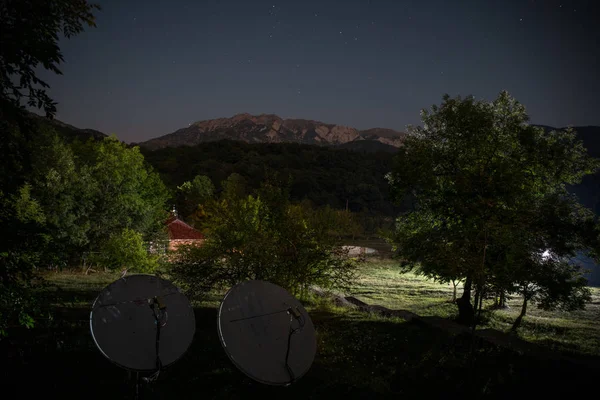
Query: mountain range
{"points": [[269, 128]]}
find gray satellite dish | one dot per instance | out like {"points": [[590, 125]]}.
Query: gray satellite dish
{"points": [[266, 333], [142, 323]]}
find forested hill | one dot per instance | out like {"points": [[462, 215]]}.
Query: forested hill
{"points": [[320, 174], [68, 132]]}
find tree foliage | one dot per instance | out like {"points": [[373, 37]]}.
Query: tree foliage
{"points": [[321, 175], [126, 192], [126, 250], [29, 35], [263, 236], [192, 194], [98, 197], [489, 192]]}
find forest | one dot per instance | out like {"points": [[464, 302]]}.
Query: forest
{"points": [[322, 175]]}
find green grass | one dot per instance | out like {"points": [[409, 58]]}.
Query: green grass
{"points": [[359, 355], [380, 282]]}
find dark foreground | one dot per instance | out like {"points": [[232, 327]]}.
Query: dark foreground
{"points": [[358, 357]]}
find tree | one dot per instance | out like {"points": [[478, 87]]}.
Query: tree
{"points": [[28, 39], [126, 249], [20, 251], [335, 223], [234, 187], [126, 192], [191, 194], [482, 180], [64, 190], [262, 236], [29, 34], [548, 276], [88, 192]]}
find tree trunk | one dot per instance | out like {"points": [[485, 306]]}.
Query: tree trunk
{"points": [[454, 283], [502, 299], [466, 313], [517, 322], [481, 300]]}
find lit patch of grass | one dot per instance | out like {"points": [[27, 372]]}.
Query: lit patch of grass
{"points": [[381, 282], [573, 331]]}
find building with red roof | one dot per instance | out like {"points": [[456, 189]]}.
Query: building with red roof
{"points": [[181, 233]]}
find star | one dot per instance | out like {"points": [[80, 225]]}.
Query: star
{"points": [[521, 19], [355, 38]]}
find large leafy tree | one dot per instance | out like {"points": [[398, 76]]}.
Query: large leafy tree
{"points": [[263, 236], [124, 190], [481, 180], [29, 35]]}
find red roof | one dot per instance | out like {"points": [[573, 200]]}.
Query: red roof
{"points": [[180, 230]]}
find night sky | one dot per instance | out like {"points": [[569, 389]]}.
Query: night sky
{"points": [[151, 67]]}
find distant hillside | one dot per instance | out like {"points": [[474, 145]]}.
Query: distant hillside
{"points": [[323, 175], [269, 128], [69, 132], [367, 146]]}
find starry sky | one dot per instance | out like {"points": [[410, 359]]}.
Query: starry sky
{"points": [[152, 67]]}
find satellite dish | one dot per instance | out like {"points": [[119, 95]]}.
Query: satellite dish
{"points": [[266, 332], [142, 323]]}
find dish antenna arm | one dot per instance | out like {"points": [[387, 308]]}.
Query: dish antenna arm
{"points": [[159, 310], [294, 315]]}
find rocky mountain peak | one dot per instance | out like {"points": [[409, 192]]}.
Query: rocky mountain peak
{"points": [[270, 128]]}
